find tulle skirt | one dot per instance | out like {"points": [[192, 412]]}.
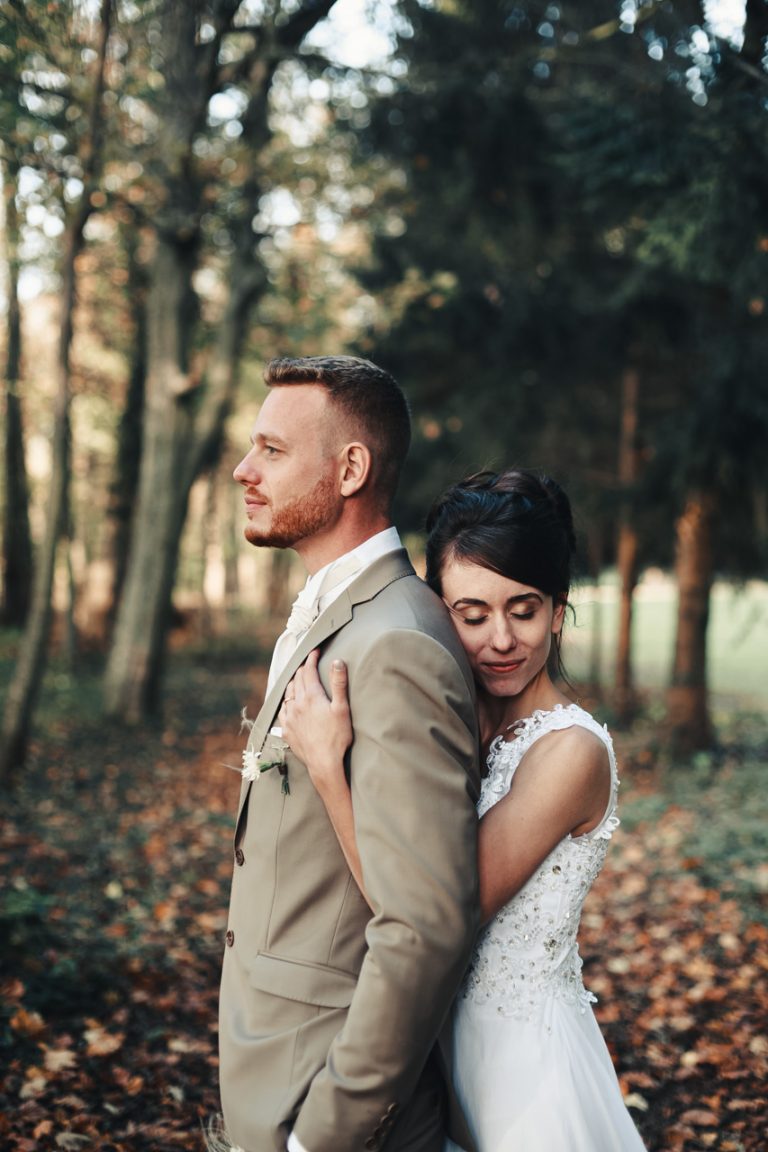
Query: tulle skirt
{"points": [[540, 1085]]}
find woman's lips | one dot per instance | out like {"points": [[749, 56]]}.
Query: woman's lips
{"points": [[504, 669]]}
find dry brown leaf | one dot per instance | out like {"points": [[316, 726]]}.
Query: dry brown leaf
{"points": [[27, 1023], [701, 1117], [99, 1042], [33, 1087], [59, 1059]]}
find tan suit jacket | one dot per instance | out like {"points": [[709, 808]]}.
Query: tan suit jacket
{"points": [[329, 1010]]}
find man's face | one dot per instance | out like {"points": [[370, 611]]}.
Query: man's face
{"points": [[291, 473]]}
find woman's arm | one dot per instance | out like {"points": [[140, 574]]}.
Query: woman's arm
{"points": [[319, 732], [562, 786]]}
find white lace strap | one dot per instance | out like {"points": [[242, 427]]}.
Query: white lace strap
{"points": [[561, 717]]}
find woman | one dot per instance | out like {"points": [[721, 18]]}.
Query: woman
{"points": [[531, 1068]]}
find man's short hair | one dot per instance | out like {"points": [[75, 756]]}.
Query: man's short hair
{"points": [[370, 399]]}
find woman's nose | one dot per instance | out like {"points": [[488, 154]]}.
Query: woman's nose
{"points": [[503, 638]]}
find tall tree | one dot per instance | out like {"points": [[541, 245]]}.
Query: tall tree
{"points": [[603, 185], [24, 688], [627, 547], [200, 49], [17, 540]]}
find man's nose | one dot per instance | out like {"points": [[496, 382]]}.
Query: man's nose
{"points": [[245, 472]]}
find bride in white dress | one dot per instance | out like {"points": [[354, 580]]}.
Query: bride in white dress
{"points": [[531, 1068]]}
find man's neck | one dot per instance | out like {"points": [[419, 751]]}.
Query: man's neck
{"points": [[318, 553]]}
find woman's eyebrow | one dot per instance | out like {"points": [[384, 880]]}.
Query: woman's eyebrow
{"points": [[471, 602]]}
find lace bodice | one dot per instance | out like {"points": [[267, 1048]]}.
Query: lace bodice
{"points": [[528, 952]]}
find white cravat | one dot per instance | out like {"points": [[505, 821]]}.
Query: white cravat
{"points": [[306, 609], [322, 589]]}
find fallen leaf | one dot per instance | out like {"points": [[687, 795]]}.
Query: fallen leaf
{"points": [[59, 1059], [27, 1023], [99, 1042]]}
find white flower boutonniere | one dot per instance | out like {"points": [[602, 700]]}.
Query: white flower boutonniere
{"points": [[272, 755]]}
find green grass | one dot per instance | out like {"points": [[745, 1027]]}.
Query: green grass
{"points": [[726, 844], [737, 637]]}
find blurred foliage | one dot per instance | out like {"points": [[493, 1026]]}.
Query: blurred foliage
{"points": [[578, 197], [521, 204]]}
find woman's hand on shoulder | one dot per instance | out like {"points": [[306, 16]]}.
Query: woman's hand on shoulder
{"points": [[318, 730]]}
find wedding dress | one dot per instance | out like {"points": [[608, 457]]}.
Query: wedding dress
{"points": [[531, 1068]]}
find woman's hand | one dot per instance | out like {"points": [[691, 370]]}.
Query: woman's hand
{"points": [[318, 730]]}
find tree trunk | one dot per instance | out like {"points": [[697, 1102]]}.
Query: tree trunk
{"points": [[17, 541], [594, 561], [209, 527], [28, 674], [627, 546], [124, 487], [231, 530], [688, 720], [166, 473], [25, 685], [184, 418], [278, 595]]}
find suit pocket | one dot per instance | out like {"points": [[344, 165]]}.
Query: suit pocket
{"points": [[302, 980]]}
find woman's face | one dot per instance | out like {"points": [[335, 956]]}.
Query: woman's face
{"points": [[506, 628]]}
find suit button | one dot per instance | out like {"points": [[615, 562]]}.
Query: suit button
{"points": [[240, 856], [230, 938]]}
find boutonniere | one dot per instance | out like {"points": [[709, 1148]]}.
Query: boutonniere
{"points": [[272, 755]]}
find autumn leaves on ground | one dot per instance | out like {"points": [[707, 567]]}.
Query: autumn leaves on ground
{"points": [[115, 864]]}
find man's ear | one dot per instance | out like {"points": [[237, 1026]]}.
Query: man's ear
{"points": [[356, 464]]}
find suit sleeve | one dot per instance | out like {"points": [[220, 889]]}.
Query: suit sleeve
{"points": [[414, 752]]}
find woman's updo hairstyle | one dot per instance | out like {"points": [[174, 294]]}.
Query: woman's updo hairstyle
{"points": [[517, 523]]}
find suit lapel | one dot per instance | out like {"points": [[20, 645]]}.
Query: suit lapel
{"points": [[384, 571]]}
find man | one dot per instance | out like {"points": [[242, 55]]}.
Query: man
{"points": [[331, 1010]]}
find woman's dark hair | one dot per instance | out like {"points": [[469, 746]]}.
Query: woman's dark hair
{"points": [[517, 523]]}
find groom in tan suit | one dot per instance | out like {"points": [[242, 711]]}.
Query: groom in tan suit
{"points": [[334, 1030]]}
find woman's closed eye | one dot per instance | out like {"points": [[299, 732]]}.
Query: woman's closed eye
{"points": [[484, 619]]}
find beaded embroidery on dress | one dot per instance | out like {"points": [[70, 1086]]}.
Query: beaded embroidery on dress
{"points": [[531, 1067], [529, 949]]}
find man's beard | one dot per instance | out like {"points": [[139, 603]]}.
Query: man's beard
{"points": [[298, 520]]}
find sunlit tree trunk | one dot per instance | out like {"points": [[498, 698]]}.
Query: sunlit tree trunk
{"points": [[17, 543], [688, 719], [230, 540], [186, 405], [278, 585], [125, 482], [594, 559], [627, 546], [27, 677], [165, 477]]}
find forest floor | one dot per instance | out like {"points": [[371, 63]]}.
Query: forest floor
{"points": [[115, 861]]}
